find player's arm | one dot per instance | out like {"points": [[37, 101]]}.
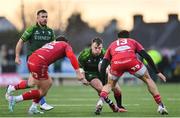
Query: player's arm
{"points": [[150, 62], [53, 36], [81, 60], [75, 65], [18, 49], [104, 65], [25, 37]]}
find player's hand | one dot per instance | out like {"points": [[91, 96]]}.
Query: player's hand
{"points": [[79, 74], [81, 77], [161, 76], [17, 60], [84, 81]]}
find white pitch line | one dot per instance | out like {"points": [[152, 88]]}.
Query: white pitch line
{"points": [[95, 99], [73, 99], [75, 105], [173, 99], [86, 105]]}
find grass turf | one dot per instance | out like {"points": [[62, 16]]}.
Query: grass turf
{"points": [[80, 101]]}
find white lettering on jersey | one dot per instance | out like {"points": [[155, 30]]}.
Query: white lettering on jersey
{"points": [[117, 42], [135, 67], [48, 46], [122, 48]]}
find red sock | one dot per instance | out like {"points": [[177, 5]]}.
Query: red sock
{"points": [[36, 100], [117, 93], [22, 85], [157, 98], [32, 94], [104, 94]]}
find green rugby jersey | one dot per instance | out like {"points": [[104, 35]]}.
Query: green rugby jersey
{"points": [[36, 36], [89, 62]]}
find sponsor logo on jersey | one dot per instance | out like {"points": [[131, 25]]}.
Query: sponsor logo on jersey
{"points": [[122, 48], [36, 32], [49, 32]]}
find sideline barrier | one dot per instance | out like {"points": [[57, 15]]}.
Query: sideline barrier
{"points": [[9, 79]]}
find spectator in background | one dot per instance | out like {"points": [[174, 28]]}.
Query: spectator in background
{"points": [[35, 36], [176, 66], [7, 64], [3, 55]]}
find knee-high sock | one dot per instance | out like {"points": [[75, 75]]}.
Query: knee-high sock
{"points": [[32, 94], [37, 100], [104, 96], [22, 85], [118, 98], [42, 100], [157, 99]]}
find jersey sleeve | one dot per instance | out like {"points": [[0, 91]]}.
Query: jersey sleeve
{"points": [[53, 36], [103, 51], [27, 33], [108, 54], [138, 46], [81, 58], [70, 54]]}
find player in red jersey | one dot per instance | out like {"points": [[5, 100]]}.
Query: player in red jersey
{"points": [[122, 57], [38, 64]]}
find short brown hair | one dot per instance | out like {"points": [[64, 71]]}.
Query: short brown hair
{"points": [[41, 11], [97, 40], [62, 38], [123, 34]]}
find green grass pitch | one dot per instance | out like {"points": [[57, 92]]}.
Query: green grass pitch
{"points": [[80, 101]]}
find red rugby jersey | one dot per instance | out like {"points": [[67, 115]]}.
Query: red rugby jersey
{"points": [[123, 48], [53, 51]]}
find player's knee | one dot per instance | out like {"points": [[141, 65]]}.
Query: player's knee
{"points": [[146, 77], [110, 85], [115, 89], [99, 89], [50, 82]]}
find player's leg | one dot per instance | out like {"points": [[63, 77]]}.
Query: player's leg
{"points": [[154, 92], [42, 102], [43, 86], [118, 97], [112, 80], [141, 72], [32, 94], [117, 93], [23, 84], [97, 85]]}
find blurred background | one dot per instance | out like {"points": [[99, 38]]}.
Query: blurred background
{"points": [[154, 23]]}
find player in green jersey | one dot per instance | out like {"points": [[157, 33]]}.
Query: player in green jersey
{"points": [[35, 36], [89, 60]]}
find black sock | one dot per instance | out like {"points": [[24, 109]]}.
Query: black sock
{"points": [[118, 100], [108, 101]]}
